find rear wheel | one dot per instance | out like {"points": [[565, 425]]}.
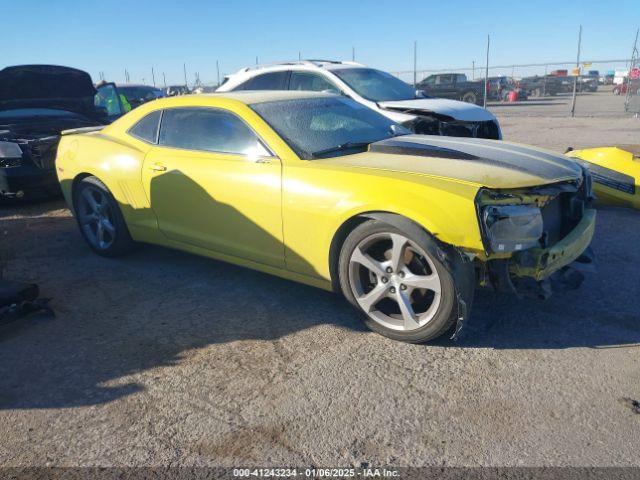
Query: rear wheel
{"points": [[100, 220], [394, 278], [469, 97]]}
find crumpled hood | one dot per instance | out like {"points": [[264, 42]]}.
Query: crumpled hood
{"points": [[488, 163], [452, 108], [46, 86]]}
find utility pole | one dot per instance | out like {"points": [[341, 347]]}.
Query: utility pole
{"points": [[256, 60], [299, 55], [415, 63], [153, 76], [486, 73], [184, 68], [544, 83], [218, 70], [164, 80], [473, 70], [353, 54], [575, 79]]}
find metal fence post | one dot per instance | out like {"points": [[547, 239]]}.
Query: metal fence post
{"points": [[415, 63], [575, 80], [184, 68], [486, 74]]}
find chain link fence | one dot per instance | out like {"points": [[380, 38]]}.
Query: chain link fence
{"points": [[632, 100], [548, 84]]}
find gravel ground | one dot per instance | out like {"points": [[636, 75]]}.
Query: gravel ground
{"points": [[164, 358]]}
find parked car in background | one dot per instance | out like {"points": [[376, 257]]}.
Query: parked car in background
{"points": [[454, 86], [541, 86], [375, 89], [136, 95], [316, 188], [174, 90], [499, 89], [588, 83], [37, 102], [621, 89]]}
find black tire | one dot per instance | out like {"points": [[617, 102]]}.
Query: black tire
{"points": [[446, 314], [469, 97], [121, 242]]}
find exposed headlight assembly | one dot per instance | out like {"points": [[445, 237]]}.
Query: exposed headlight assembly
{"points": [[10, 155], [511, 228]]}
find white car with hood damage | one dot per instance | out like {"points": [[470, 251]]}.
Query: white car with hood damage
{"points": [[375, 89]]}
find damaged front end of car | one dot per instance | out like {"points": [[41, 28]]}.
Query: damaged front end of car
{"points": [[431, 123], [27, 164], [537, 239]]}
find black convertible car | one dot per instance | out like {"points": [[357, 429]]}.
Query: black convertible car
{"points": [[37, 102]]}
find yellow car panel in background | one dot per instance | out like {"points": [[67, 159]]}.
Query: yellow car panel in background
{"points": [[615, 172]]}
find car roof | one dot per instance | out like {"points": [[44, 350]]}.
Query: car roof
{"points": [[135, 85], [246, 97], [251, 97]]}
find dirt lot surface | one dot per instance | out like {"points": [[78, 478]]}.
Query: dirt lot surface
{"points": [[164, 358]]}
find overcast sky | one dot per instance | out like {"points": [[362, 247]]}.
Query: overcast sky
{"points": [[109, 36]]}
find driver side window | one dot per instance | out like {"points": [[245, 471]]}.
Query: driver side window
{"points": [[444, 80], [208, 130], [311, 82]]}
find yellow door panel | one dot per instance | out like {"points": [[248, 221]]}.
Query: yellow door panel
{"points": [[223, 202]]}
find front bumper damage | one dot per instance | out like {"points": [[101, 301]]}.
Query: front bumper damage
{"points": [[538, 272]]}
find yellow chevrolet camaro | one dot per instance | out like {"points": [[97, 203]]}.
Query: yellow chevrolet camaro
{"points": [[318, 189]]}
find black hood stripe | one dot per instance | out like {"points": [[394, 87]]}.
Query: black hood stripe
{"points": [[418, 149], [487, 152]]}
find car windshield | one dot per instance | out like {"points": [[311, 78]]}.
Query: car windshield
{"points": [[326, 126], [375, 85]]}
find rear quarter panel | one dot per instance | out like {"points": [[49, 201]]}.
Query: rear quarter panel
{"points": [[117, 163]]}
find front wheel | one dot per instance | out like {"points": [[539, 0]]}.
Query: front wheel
{"points": [[100, 220], [397, 281]]}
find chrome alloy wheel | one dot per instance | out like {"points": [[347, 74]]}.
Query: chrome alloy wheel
{"points": [[394, 281], [96, 219]]}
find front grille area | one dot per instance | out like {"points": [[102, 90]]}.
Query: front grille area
{"points": [[41, 152], [561, 215], [427, 126]]}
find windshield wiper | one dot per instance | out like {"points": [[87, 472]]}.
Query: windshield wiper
{"points": [[339, 148]]}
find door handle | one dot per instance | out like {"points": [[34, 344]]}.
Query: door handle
{"points": [[263, 160], [156, 167]]}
